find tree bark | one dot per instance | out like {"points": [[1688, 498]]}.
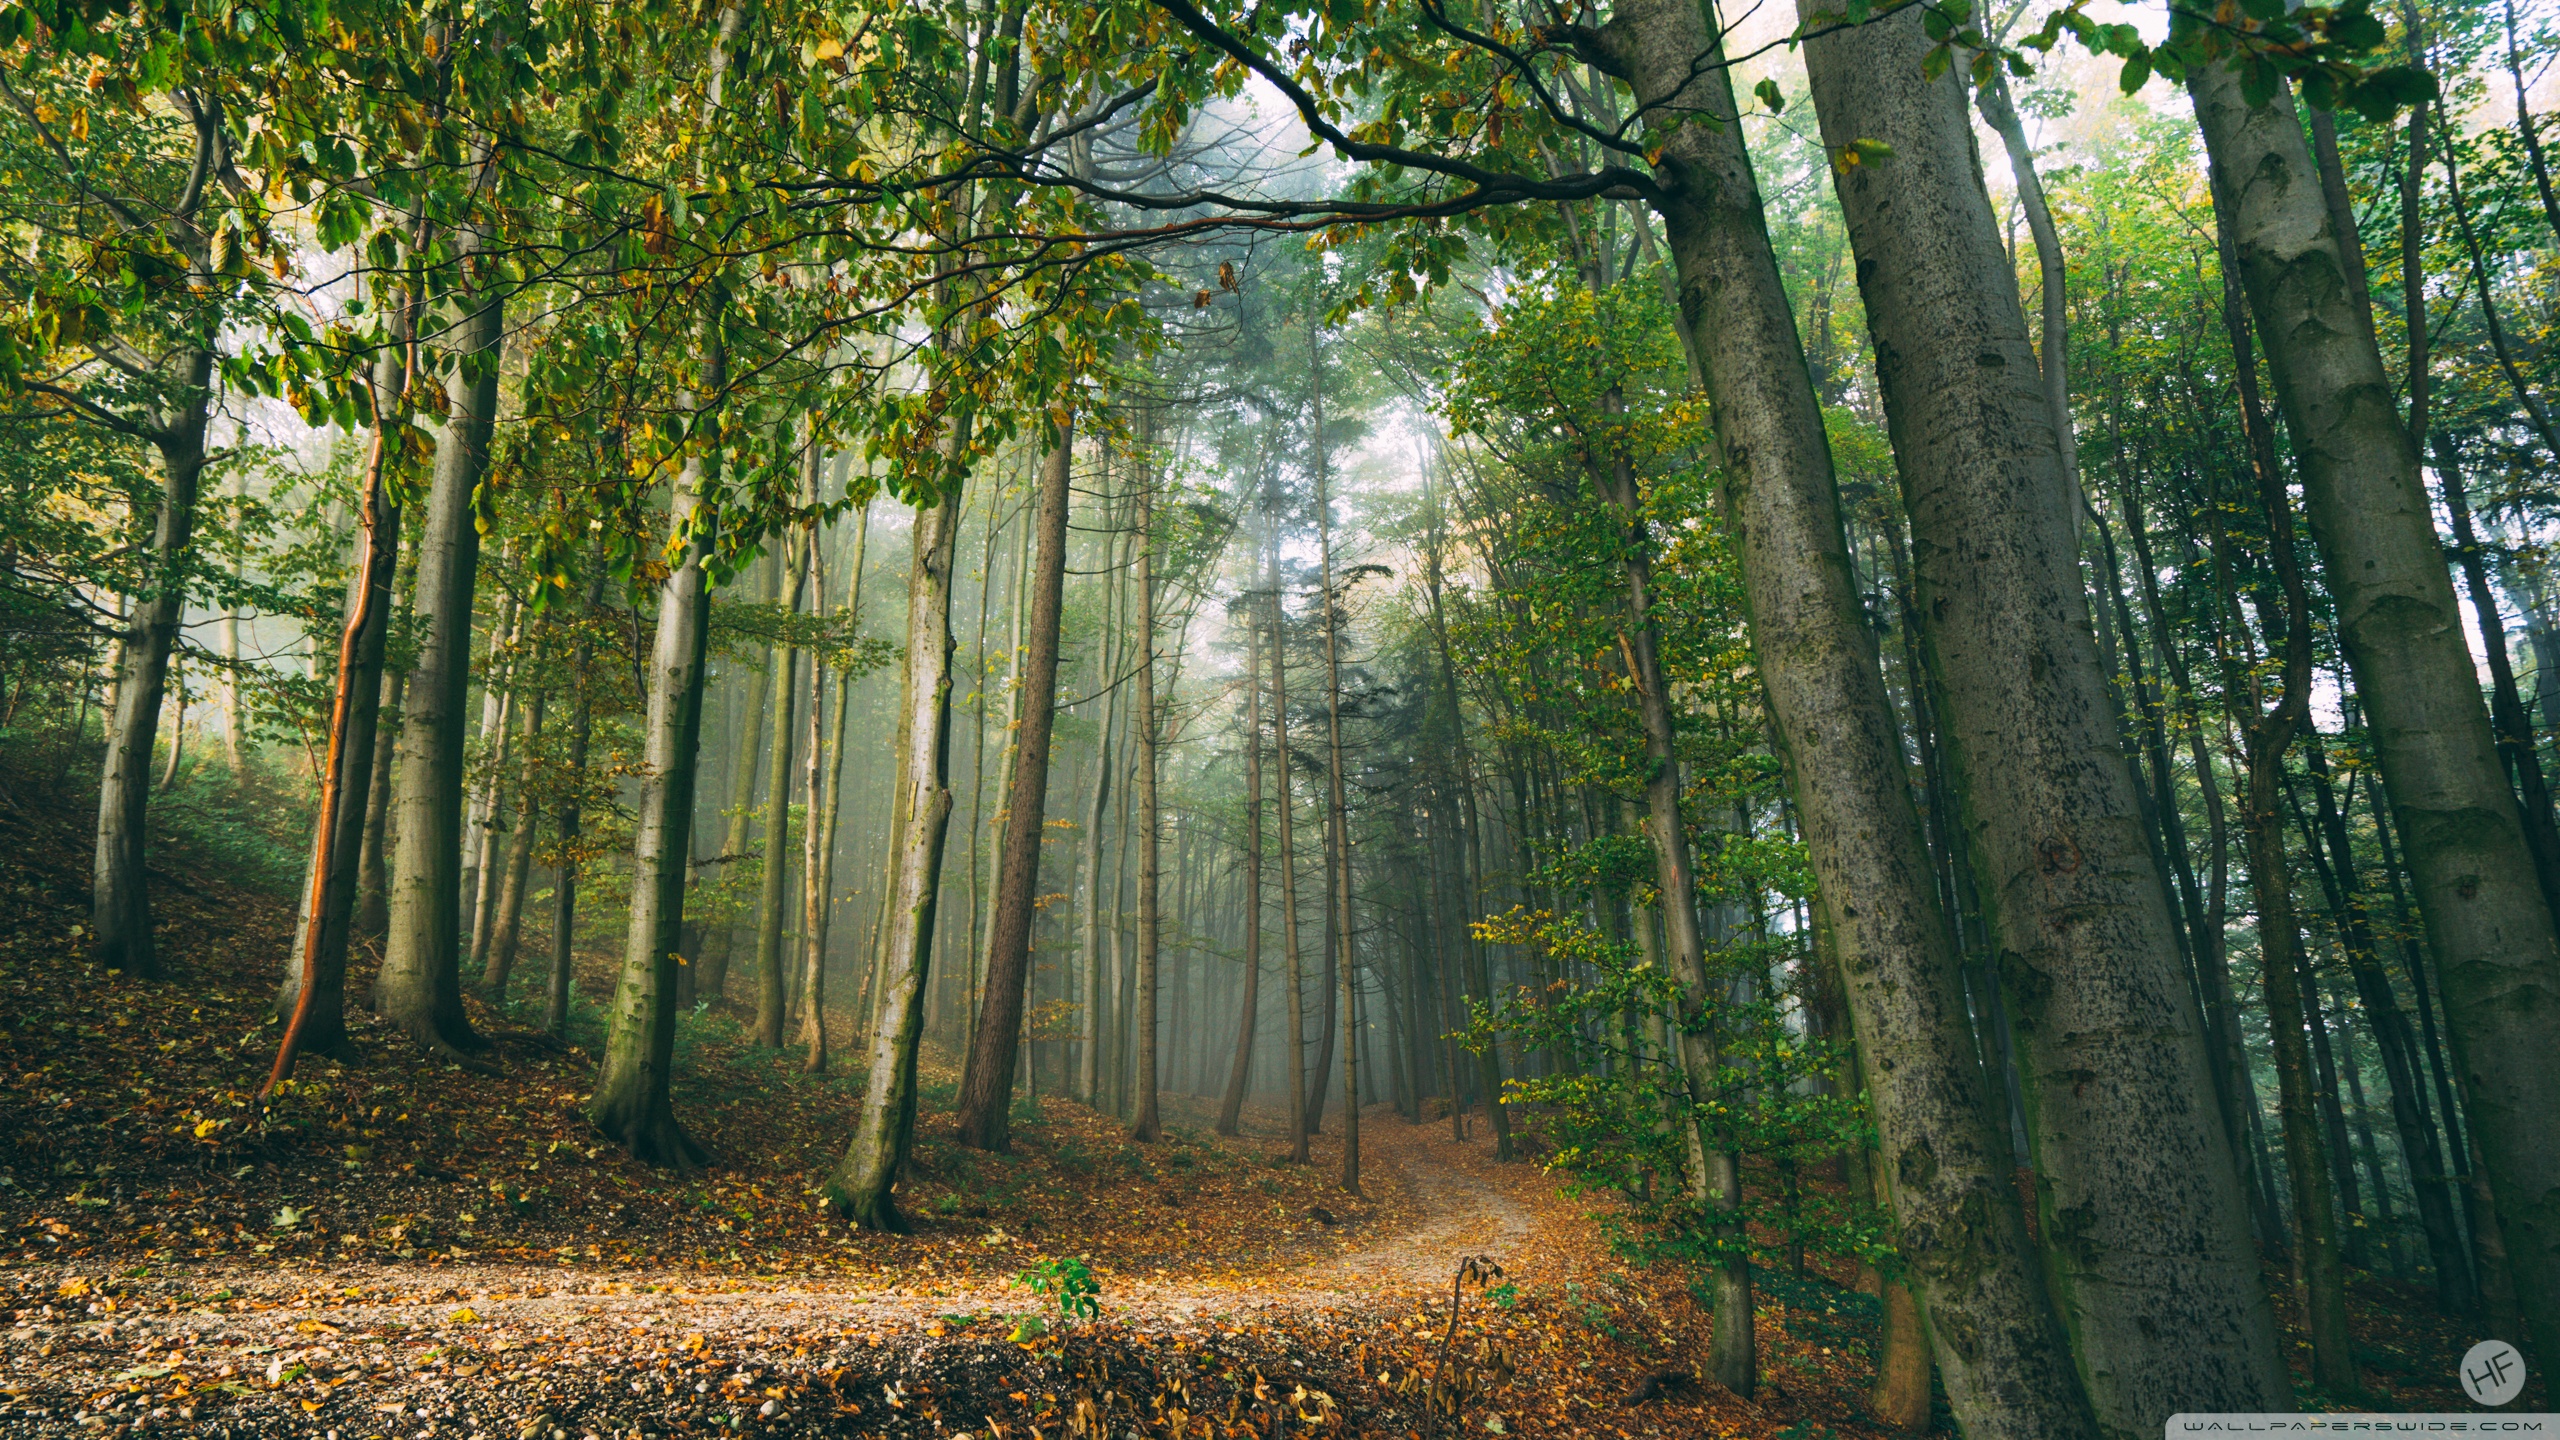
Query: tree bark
{"points": [[773, 989], [564, 894], [820, 867], [1297, 1073], [1470, 850], [986, 1101], [313, 1000], [373, 883], [1240, 1064], [631, 1104], [1337, 812], [506, 923], [419, 990], [120, 899], [2393, 1038], [2477, 890], [2145, 1226], [2005, 1354], [859, 1190], [1148, 1125]]}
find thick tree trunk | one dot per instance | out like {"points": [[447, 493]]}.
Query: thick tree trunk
{"points": [[986, 1101], [859, 1190], [419, 990], [2477, 890], [2145, 1225], [1240, 1064], [120, 899], [631, 1104], [2003, 1348]]}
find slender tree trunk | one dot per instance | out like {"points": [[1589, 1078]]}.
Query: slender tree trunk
{"points": [[1240, 1066], [313, 1001], [120, 900], [419, 990], [1337, 813], [564, 894], [1148, 1126], [772, 984], [506, 924], [234, 720], [859, 1190], [822, 864], [2477, 888], [486, 814], [1297, 1072], [986, 1101], [1470, 848], [373, 883], [2392, 1037], [1961, 1228]]}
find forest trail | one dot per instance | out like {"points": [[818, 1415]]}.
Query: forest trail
{"points": [[468, 1347], [1453, 1210]]}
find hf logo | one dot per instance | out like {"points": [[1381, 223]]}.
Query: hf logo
{"points": [[2492, 1372]]}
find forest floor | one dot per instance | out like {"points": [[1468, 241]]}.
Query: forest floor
{"points": [[408, 1249]]}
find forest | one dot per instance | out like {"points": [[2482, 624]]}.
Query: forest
{"points": [[1629, 717]]}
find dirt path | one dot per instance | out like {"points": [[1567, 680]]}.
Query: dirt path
{"points": [[479, 1349]]}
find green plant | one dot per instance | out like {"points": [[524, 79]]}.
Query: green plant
{"points": [[1068, 1282]]}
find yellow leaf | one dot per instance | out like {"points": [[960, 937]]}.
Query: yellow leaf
{"points": [[466, 1316], [830, 48]]}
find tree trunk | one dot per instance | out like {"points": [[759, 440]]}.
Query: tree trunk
{"points": [[1147, 1127], [986, 1100], [772, 987], [120, 900], [1297, 1073], [631, 1104], [313, 1001], [1337, 813], [821, 866], [1240, 1065], [1470, 850], [2391, 1036], [2507, 718], [2145, 1225], [500, 700], [419, 990], [859, 1190], [373, 885], [2007, 1371], [564, 894], [1106, 675], [506, 924], [2477, 890]]}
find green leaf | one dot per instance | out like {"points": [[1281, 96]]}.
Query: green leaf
{"points": [[1770, 95], [2136, 71]]}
